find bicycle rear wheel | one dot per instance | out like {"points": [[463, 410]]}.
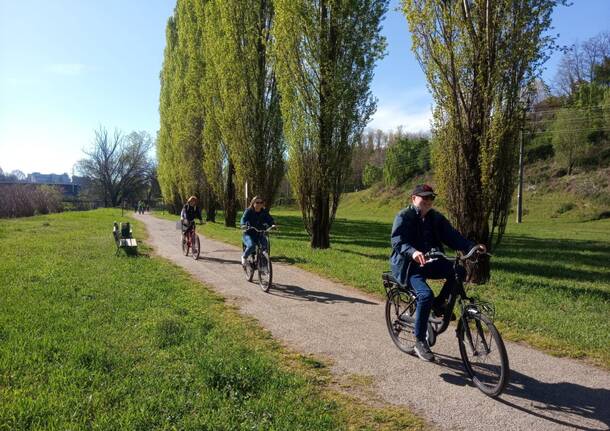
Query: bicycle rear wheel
{"points": [[400, 319], [265, 271], [196, 246], [185, 246], [483, 353]]}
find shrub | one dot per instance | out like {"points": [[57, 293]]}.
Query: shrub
{"points": [[405, 159], [564, 208], [539, 152], [23, 200], [371, 175]]}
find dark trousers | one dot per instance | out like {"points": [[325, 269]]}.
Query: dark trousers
{"points": [[438, 269]]}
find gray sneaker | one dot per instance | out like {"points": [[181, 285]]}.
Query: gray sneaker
{"points": [[423, 351]]}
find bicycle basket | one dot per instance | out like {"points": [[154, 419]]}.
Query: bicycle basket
{"points": [[477, 271]]}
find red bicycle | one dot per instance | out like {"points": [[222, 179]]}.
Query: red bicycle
{"points": [[190, 241]]}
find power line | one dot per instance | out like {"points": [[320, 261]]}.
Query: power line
{"points": [[590, 129], [574, 119], [559, 109]]}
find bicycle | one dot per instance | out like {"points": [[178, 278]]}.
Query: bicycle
{"points": [[260, 260], [481, 347], [190, 240]]}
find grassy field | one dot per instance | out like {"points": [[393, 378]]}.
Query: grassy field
{"points": [[93, 341], [550, 280]]}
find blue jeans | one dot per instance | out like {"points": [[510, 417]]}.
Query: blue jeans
{"points": [[250, 242], [438, 269]]}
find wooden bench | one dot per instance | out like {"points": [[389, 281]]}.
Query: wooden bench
{"points": [[123, 237]]}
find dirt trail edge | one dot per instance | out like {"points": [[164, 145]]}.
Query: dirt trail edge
{"points": [[317, 316]]}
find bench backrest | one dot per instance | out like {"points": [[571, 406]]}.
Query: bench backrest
{"points": [[125, 230]]}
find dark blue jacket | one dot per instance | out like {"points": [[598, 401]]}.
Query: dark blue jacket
{"points": [[190, 213], [410, 234], [255, 219]]}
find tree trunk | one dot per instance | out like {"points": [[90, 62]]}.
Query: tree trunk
{"points": [[177, 204], [320, 229], [230, 203], [210, 213]]}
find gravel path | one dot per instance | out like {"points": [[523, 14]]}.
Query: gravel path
{"points": [[317, 316]]}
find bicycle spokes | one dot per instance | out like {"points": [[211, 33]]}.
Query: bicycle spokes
{"points": [[483, 353], [400, 319]]}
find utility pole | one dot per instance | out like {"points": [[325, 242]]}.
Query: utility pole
{"points": [[246, 195], [520, 189]]}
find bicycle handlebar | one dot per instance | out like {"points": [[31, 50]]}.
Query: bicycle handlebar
{"points": [[248, 227], [436, 254]]}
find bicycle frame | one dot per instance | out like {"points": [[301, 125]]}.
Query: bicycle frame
{"points": [[467, 304], [265, 233], [190, 233], [260, 258]]}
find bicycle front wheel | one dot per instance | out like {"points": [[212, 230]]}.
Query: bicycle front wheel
{"points": [[249, 268], [400, 319], [196, 246], [483, 353], [265, 271], [185, 246]]}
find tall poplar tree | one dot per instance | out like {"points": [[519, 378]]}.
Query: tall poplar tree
{"points": [[246, 107], [167, 164], [479, 57], [325, 51], [180, 149]]}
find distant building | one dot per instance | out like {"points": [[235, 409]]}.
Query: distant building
{"points": [[37, 177], [62, 182]]}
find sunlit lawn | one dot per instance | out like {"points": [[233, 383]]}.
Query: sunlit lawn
{"points": [[90, 340]]}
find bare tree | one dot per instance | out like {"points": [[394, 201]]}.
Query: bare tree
{"points": [[578, 63], [18, 175], [117, 166]]}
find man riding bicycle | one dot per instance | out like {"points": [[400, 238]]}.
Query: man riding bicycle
{"points": [[256, 216], [190, 212], [418, 229]]}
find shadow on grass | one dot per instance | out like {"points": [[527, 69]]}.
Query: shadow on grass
{"points": [[295, 292], [562, 403], [289, 260], [546, 257], [375, 256]]}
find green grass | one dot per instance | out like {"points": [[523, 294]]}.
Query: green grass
{"points": [[550, 275], [93, 341]]}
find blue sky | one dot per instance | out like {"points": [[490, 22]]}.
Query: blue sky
{"points": [[69, 66]]}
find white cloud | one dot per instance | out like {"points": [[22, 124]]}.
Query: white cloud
{"points": [[67, 69], [389, 117]]}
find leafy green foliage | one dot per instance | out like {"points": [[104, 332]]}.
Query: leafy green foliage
{"points": [[180, 148], [324, 54], [371, 175], [406, 158], [570, 137], [242, 95], [480, 58]]}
